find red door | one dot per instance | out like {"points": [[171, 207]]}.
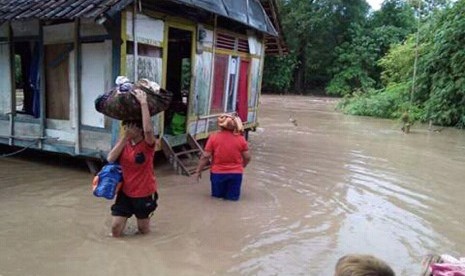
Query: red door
{"points": [[242, 93]]}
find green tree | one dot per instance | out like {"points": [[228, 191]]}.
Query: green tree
{"points": [[438, 94], [313, 29], [443, 74], [277, 76], [356, 66]]}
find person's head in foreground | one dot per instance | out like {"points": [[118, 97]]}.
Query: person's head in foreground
{"points": [[230, 122], [362, 265]]}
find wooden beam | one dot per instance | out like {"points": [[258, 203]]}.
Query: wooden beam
{"points": [[42, 84], [12, 85], [77, 88]]}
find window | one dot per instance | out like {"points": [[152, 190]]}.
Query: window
{"points": [[24, 69], [225, 84], [219, 83]]}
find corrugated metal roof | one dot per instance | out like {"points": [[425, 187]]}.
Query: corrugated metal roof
{"points": [[248, 12], [56, 9]]}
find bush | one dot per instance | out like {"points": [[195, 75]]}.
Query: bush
{"points": [[389, 103]]}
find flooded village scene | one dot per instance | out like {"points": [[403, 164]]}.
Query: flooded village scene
{"points": [[246, 137]]}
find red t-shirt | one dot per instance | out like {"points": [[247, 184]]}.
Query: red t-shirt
{"points": [[226, 149], [138, 177]]}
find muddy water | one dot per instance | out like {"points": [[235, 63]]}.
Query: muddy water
{"points": [[331, 185]]}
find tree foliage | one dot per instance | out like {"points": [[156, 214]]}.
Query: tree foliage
{"points": [[443, 75], [278, 76], [313, 29], [437, 93], [407, 56], [356, 67]]}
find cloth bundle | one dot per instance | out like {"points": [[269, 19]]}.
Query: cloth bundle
{"points": [[443, 265], [231, 122], [120, 104], [450, 266], [108, 181]]}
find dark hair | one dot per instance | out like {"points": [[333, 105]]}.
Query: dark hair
{"points": [[137, 123]]}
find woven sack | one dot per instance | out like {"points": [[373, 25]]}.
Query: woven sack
{"points": [[124, 106]]}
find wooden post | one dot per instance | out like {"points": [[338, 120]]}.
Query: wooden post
{"points": [[42, 103], [134, 41], [12, 85], [212, 73], [77, 88]]}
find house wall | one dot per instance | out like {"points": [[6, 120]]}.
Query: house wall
{"points": [[202, 85], [95, 143], [146, 48], [77, 125], [95, 80], [5, 75], [69, 106], [207, 102], [255, 79], [150, 28], [12, 123]]}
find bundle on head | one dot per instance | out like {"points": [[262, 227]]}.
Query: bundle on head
{"points": [[124, 106], [231, 122]]}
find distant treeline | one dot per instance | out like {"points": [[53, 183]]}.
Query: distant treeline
{"points": [[409, 56]]}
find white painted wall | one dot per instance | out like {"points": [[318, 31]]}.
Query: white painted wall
{"points": [[255, 46], [148, 30], [95, 80], [5, 77], [255, 82], [208, 41]]}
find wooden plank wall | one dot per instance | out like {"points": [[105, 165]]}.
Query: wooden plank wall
{"points": [[57, 81]]}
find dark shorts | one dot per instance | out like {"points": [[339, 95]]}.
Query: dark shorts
{"points": [[141, 207], [226, 185]]}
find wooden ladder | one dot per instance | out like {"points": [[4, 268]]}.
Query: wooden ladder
{"points": [[184, 160]]}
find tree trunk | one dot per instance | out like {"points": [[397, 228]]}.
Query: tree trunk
{"points": [[299, 73]]}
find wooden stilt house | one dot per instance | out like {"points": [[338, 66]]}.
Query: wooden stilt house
{"points": [[57, 56]]}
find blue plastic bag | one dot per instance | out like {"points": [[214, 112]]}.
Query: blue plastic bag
{"points": [[108, 181]]}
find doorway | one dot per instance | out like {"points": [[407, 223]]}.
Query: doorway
{"points": [[25, 68], [178, 79]]}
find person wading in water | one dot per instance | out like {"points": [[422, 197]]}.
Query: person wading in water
{"points": [[229, 154], [135, 152]]}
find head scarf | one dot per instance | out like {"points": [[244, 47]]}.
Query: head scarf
{"points": [[231, 123]]}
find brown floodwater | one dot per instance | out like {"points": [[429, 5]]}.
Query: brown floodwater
{"points": [[330, 185]]}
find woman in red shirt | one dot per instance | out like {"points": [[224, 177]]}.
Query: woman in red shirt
{"points": [[229, 154], [135, 151]]}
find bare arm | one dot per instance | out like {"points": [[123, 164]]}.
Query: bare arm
{"points": [[149, 135], [202, 163], [246, 158], [115, 152]]}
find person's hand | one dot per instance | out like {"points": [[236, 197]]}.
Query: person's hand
{"points": [[140, 95]]}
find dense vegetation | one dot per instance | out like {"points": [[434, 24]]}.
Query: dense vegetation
{"points": [[406, 57]]}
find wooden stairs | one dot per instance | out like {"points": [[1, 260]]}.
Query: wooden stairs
{"points": [[185, 157]]}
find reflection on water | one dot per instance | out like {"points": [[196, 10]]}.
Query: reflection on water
{"points": [[331, 185]]}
